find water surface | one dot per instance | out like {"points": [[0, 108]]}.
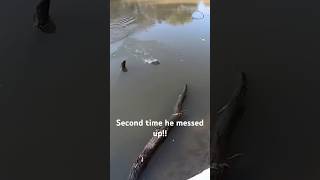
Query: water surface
{"points": [[176, 33], [277, 44]]}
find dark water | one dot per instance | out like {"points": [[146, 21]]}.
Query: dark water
{"points": [[165, 31], [277, 44], [53, 96]]}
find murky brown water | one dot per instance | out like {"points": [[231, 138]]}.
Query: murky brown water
{"points": [[177, 34]]}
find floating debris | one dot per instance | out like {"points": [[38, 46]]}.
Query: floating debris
{"points": [[152, 61]]}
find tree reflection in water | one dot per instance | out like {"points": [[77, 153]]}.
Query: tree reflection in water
{"points": [[147, 13]]}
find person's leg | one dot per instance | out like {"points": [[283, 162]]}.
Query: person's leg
{"points": [[42, 17]]}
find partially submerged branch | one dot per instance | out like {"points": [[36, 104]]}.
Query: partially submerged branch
{"points": [[143, 159]]}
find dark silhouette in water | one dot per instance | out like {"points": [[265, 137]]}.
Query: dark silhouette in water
{"points": [[123, 66], [42, 18], [222, 129]]}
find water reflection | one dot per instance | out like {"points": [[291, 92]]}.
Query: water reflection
{"points": [[149, 12]]}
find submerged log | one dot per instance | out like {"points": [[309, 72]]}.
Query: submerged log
{"points": [[143, 159], [222, 129]]}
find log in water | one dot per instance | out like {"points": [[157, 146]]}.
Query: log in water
{"points": [[140, 164]]}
